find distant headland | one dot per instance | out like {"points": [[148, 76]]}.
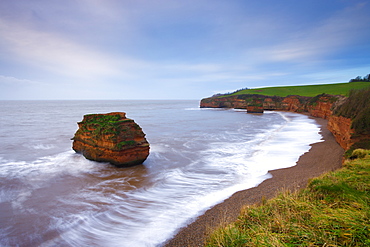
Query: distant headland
{"points": [[346, 106]]}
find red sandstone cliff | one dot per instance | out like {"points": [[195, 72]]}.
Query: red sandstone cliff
{"points": [[342, 131], [320, 106], [257, 102], [293, 103], [111, 138], [338, 125]]}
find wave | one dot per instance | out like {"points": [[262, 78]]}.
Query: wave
{"points": [[40, 146]]}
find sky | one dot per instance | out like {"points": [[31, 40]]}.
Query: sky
{"points": [[176, 49]]}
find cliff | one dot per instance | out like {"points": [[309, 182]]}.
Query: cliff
{"points": [[111, 138], [293, 103], [342, 131], [319, 105], [323, 106]]}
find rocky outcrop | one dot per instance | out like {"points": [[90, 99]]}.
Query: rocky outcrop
{"points": [[254, 109], [111, 138]]}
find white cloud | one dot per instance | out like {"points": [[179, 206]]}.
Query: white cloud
{"points": [[58, 54], [17, 82], [338, 31]]}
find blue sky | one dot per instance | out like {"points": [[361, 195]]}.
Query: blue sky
{"points": [[177, 49]]}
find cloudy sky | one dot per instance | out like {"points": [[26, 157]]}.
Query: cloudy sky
{"points": [[177, 49]]}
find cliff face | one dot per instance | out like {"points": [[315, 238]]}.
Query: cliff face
{"points": [[111, 138], [340, 126], [257, 102], [322, 109], [342, 131], [294, 103], [321, 106], [225, 102]]}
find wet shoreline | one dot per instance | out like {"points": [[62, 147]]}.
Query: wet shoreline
{"points": [[322, 157]]}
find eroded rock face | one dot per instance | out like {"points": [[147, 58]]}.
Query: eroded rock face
{"points": [[111, 138], [342, 131], [257, 102], [322, 105], [292, 103], [226, 102]]}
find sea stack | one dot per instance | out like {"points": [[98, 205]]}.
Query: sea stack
{"points": [[254, 109], [111, 138], [255, 105]]}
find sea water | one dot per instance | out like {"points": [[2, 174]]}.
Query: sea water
{"points": [[51, 196]]}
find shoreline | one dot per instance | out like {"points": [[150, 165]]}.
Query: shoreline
{"points": [[323, 157]]}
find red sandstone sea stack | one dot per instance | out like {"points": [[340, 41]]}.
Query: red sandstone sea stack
{"points": [[111, 138]]}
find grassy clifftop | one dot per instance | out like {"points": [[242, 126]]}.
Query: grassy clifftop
{"points": [[309, 90]]}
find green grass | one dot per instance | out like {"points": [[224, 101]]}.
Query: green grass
{"points": [[334, 210], [310, 90]]}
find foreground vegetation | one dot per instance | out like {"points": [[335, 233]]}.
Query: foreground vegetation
{"points": [[334, 210]]}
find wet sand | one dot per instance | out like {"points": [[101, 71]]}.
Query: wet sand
{"points": [[322, 157]]}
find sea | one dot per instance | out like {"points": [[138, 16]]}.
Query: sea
{"points": [[52, 196]]}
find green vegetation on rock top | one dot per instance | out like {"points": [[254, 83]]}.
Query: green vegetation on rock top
{"points": [[97, 125], [102, 118], [309, 90]]}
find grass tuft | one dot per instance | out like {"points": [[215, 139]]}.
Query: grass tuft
{"points": [[359, 154]]}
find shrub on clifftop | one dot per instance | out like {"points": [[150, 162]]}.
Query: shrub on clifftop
{"points": [[357, 107]]}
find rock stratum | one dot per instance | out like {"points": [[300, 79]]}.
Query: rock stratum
{"points": [[330, 107], [111, 138]]}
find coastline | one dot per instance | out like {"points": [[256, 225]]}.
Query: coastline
{"points": [[322, 157]]}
